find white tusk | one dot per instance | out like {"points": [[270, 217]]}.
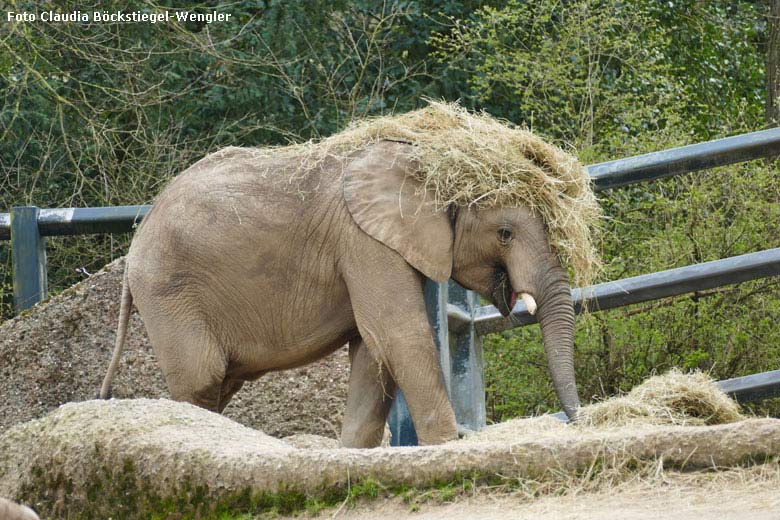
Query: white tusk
{"points": [[529, 302]]}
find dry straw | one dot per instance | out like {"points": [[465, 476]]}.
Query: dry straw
{"points": [[470, 159], [672, 398]]}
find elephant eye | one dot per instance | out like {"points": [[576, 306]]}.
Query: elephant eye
{"points": [[504, 235]]}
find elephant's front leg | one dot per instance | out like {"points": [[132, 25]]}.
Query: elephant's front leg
{"points": [[371, 391], [387, 299]]}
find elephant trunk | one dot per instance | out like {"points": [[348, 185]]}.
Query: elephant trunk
{"points": [[556, 319]]}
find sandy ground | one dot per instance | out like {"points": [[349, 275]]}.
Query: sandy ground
{"points": [[738, 495]]}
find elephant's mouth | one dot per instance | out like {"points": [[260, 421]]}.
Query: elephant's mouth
{"points": [[502, 295]]}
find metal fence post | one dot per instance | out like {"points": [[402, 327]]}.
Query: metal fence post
{"points": [[467, 390], [29, 258], [401, 425], [436, 299]]}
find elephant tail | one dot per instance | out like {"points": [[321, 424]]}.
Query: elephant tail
{"points": [[125, 306]]}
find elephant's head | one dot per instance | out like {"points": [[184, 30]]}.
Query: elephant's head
{"points": [[501, 253], [504, 252]]}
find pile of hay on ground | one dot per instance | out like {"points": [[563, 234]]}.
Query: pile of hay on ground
{"points": [[674, 398], [469, 159]]}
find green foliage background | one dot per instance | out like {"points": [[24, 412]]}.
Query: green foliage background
{"points": [[106, 114]]}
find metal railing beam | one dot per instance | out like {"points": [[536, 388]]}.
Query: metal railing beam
{"points": [[85, 221], [753, 387], [458, 320], [685, 159], [82, 221]]}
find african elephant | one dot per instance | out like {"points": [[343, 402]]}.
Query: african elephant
{"points": [[245, 266]]}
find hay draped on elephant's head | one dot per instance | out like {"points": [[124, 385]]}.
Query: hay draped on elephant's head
{"points": [[470, 159]]}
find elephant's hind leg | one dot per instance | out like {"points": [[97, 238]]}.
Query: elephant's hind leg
{"points": [[229, 388], [199, 383], [371, 392], [191, 359]]}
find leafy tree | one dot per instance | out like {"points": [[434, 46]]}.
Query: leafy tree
{"points": [[586, 72]]}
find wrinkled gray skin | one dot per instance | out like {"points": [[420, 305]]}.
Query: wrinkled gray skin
{"points": [[13, 511], [240, 270]]}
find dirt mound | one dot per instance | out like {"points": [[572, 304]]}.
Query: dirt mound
{"points": [[137, 458], [58, 352]]}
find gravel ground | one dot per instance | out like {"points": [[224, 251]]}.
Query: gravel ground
{"points": [[58, 352]]}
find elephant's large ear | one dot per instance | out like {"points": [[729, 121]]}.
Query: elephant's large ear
{"points": [[392, 207]]}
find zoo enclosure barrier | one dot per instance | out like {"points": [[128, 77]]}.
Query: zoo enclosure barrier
{"points": [[457, 319]]}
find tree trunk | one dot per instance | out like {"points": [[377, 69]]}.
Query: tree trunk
{"points": [[772, 112]]}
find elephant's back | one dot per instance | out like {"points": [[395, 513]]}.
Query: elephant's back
{"points": [[249, 174], [228, 191]]}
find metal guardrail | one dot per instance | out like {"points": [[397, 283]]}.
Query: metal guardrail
{"points": [[686, 159], [81, 221], [456, 318], [753, 387], [28, 226]]}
